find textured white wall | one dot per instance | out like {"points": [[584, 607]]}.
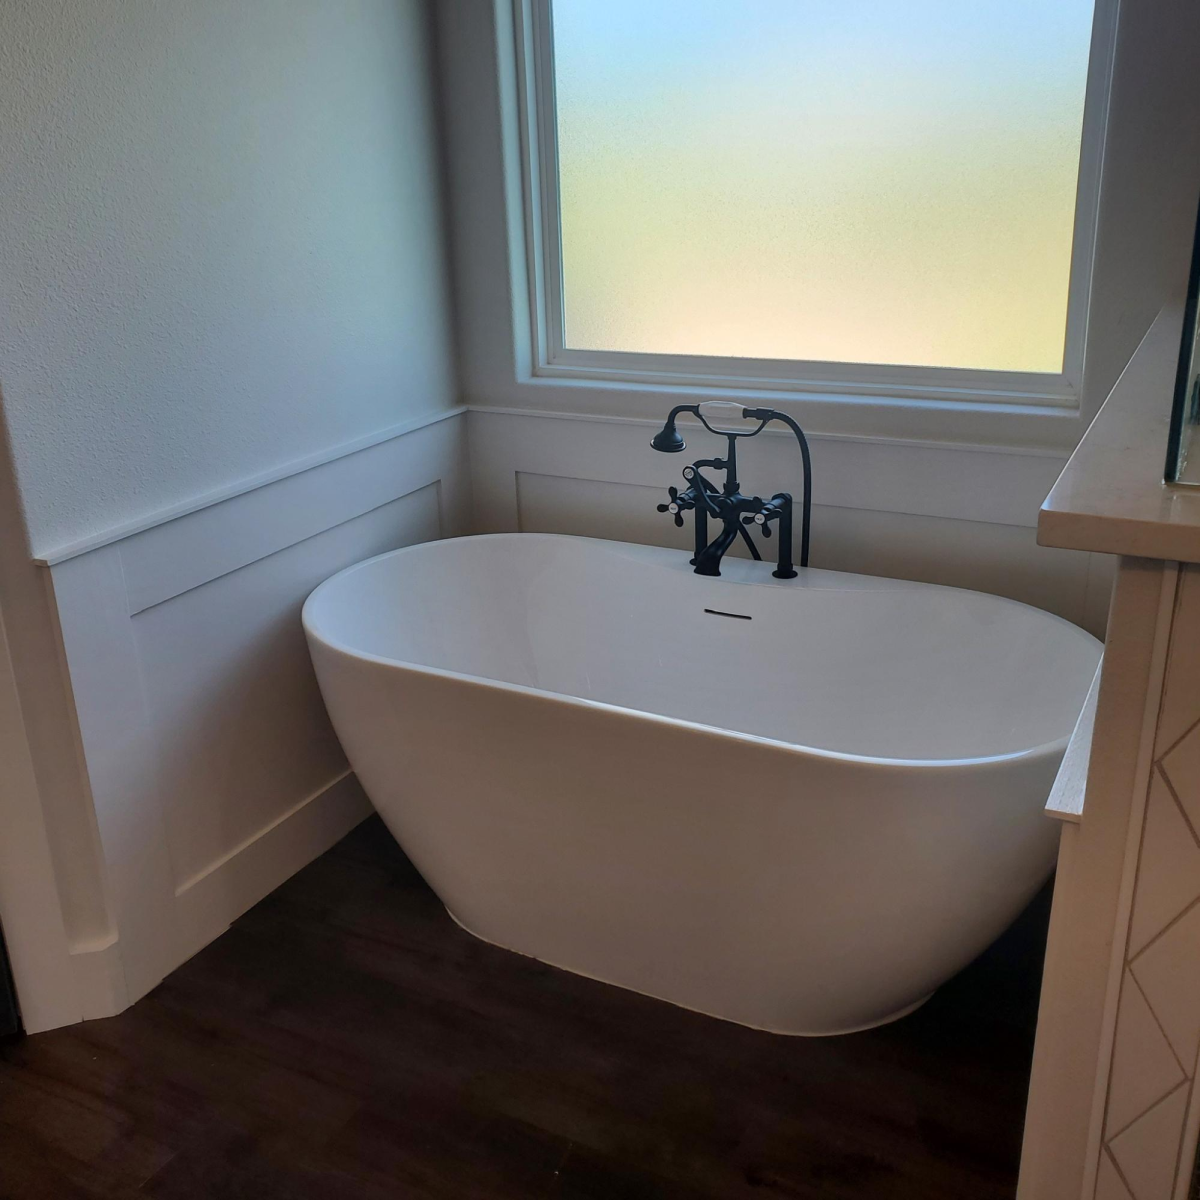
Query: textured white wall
{"points": [[220, 244]]}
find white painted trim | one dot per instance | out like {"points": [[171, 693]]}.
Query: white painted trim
{"points": [[60, 554], [517, 59], [209, 901], [100, 978], [773, 432], [219, 864], [533, 62], [845, 382], [1070, 784], [30, 910], [165, 561], [114, 728], [1093, 151]]}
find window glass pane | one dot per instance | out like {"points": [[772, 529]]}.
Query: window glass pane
{"points": [[879, 181]]}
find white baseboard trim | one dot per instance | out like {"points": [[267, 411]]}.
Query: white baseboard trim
{"points": [[100, 979], [209, 902]]}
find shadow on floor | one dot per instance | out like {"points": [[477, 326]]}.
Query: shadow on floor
{"points": [[346, 1040]]}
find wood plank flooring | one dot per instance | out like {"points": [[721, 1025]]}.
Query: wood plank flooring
{"points": [[346, 1040]]}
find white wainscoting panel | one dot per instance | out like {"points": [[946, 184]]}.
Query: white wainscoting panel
{"points": [[213, 768], [234, 708], [951, 515]]}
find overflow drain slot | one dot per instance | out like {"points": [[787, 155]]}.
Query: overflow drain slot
{"points": [[717, 612]]}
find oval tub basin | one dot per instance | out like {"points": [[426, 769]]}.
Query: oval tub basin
{"points": [[799, 805]]}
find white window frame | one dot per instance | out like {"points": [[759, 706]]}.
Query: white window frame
{"points": [[1055, 394]]}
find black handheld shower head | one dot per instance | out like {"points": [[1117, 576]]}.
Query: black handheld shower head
{"points": [[667, 439]]}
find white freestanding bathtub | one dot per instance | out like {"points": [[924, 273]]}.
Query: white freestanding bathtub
{"points": [[800, 805]]}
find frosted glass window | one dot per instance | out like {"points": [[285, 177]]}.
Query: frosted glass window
{"points": [[856, 181]]}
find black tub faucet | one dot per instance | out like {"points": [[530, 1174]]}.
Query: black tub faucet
{"points": [[736, 513]]}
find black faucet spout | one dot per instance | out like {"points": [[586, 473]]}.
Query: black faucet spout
{"points": [[708, 560]]}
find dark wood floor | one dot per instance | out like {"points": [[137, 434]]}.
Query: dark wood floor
{"points": [[346, 1039]]}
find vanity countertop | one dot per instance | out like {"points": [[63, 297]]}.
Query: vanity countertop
{"points": [[1110, 497]]}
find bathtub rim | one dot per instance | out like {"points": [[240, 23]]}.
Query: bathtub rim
{"points": [[315, 634]]}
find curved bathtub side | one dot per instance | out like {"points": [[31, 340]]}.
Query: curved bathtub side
{"points": [[828, 660], [779, 889]]}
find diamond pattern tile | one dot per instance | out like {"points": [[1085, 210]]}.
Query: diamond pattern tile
{"points": [[1109, 1184], [1144, 1067], [1182, 768], [1181, 695], [1158, 1014], [1168, 878], [1169, 975], [1147, 1151]]}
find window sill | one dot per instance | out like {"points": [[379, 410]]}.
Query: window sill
{"points": [[1033, 427]]}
